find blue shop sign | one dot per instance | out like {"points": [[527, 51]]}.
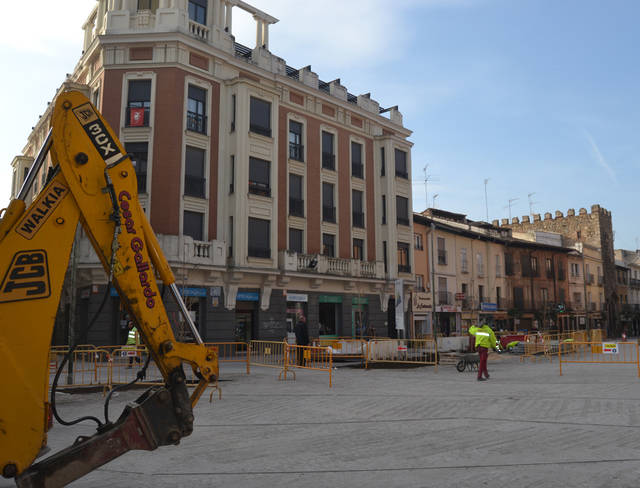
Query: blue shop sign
{"points": [[113, 292], [248, 296], [488, 307], [193, 291]]}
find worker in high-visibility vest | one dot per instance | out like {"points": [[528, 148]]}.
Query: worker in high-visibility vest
{"points": [[133, 339], [485, 340]]}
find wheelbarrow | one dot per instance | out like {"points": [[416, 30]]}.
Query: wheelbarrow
{"points": [[468, 361]]}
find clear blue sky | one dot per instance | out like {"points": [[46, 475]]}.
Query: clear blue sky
{"points": [[538, 96]]}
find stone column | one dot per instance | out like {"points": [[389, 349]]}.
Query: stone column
{"points": [[102, 9], [228, 21], [265, 35], [258, 31]]}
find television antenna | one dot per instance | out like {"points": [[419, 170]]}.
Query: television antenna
{"points": [[511, 200], [531, 202]]}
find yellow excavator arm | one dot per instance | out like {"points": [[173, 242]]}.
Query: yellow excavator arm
{"points": [[93, 182]]}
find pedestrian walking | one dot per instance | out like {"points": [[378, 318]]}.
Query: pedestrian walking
{"points": [[302, 337], [485, 340]]}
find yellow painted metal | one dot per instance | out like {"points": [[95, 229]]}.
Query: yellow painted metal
{"points": [[95, 183]]}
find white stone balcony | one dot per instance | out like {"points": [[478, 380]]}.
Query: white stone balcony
{"points": [[178, 250], [318, 264]]}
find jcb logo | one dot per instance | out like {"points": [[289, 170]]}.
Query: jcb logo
{"points": [[27, 277]]}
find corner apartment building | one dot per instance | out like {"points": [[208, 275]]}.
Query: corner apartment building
{"points": [[628, 269], [272, 192]]}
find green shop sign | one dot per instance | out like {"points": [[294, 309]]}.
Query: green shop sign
{"points": [[329, 299], [360, 300]]}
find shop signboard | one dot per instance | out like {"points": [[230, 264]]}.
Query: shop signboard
{"points": [[193, 291], [609, 348], [461, 296], [488, 307], [329, 299], [421, 302], [297, 297], [248, 296]]}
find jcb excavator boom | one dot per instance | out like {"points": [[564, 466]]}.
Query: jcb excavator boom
{"points": [[92, 182]]}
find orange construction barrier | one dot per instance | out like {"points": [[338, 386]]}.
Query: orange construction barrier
{"points": [[403, 351], [232, 352], [578, 352], [314, 358]]}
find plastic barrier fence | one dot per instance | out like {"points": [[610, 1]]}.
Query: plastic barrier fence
{"points": [[344, 348], [403, 351], [86, 367], [308, 357], [577, 352]]}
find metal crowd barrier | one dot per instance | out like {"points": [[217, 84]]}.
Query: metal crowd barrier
{"points": [[403, 351], [269, 354], [581, 352], [232, 352], [314, 358]]}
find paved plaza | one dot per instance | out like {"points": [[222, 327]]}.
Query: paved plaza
{"points": [[525, 427]]}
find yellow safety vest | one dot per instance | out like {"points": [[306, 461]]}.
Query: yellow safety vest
{"points": [[131, 338], [484, 336]]}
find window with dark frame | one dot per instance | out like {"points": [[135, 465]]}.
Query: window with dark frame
{"points": [[357, 214], [296, 200], [138, 103], [358, 249], [260, 117], [296, 148], [549, 267], [384, 255], [233, 112], [384, 209], [139, 151], [231, 236], [259, 177], [357, 169], [417, 239], [196, 109], [403, 258], [328, 245], [232, 176], [382, 162], [95, 99], [194, 180], [193, 225], [259, 238], [401, 164], [295, 240], [518, 297], [442, 252], [148, 5], [402, 210], [198, 11], [328, 206], [508, 264], [328, 155]]}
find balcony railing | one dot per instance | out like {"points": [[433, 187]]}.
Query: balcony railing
{"points": [[194, 186], [259, 252], [259, 188], [464, 267], [196, 29], [328, 161], [404, 268], [296, 151], [320, 264], [592, 307], [635, 283], [328, 214], [445, 298], [357, 170], [357, 219], [508, 269], [402, 173], [197, 122], [601, 280], [296, 207], [258, 129], [442, 257], [402, 220], [549, 274], [590, 279]]}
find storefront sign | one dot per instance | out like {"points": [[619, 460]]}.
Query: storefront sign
{"points": [[330, 299], [297, 297], [192, 291], [609, 348], [420, 302], [215, 291], [461, 296], [360, 301], [488, 307], [447, 308], [248, 296]]}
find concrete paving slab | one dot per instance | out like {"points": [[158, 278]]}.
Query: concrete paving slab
{"points": [[526, 427]]}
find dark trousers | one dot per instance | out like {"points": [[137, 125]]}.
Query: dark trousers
{"points": [[483, 352]]}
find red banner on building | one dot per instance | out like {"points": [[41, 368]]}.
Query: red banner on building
{"points": [[136, 117]]}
